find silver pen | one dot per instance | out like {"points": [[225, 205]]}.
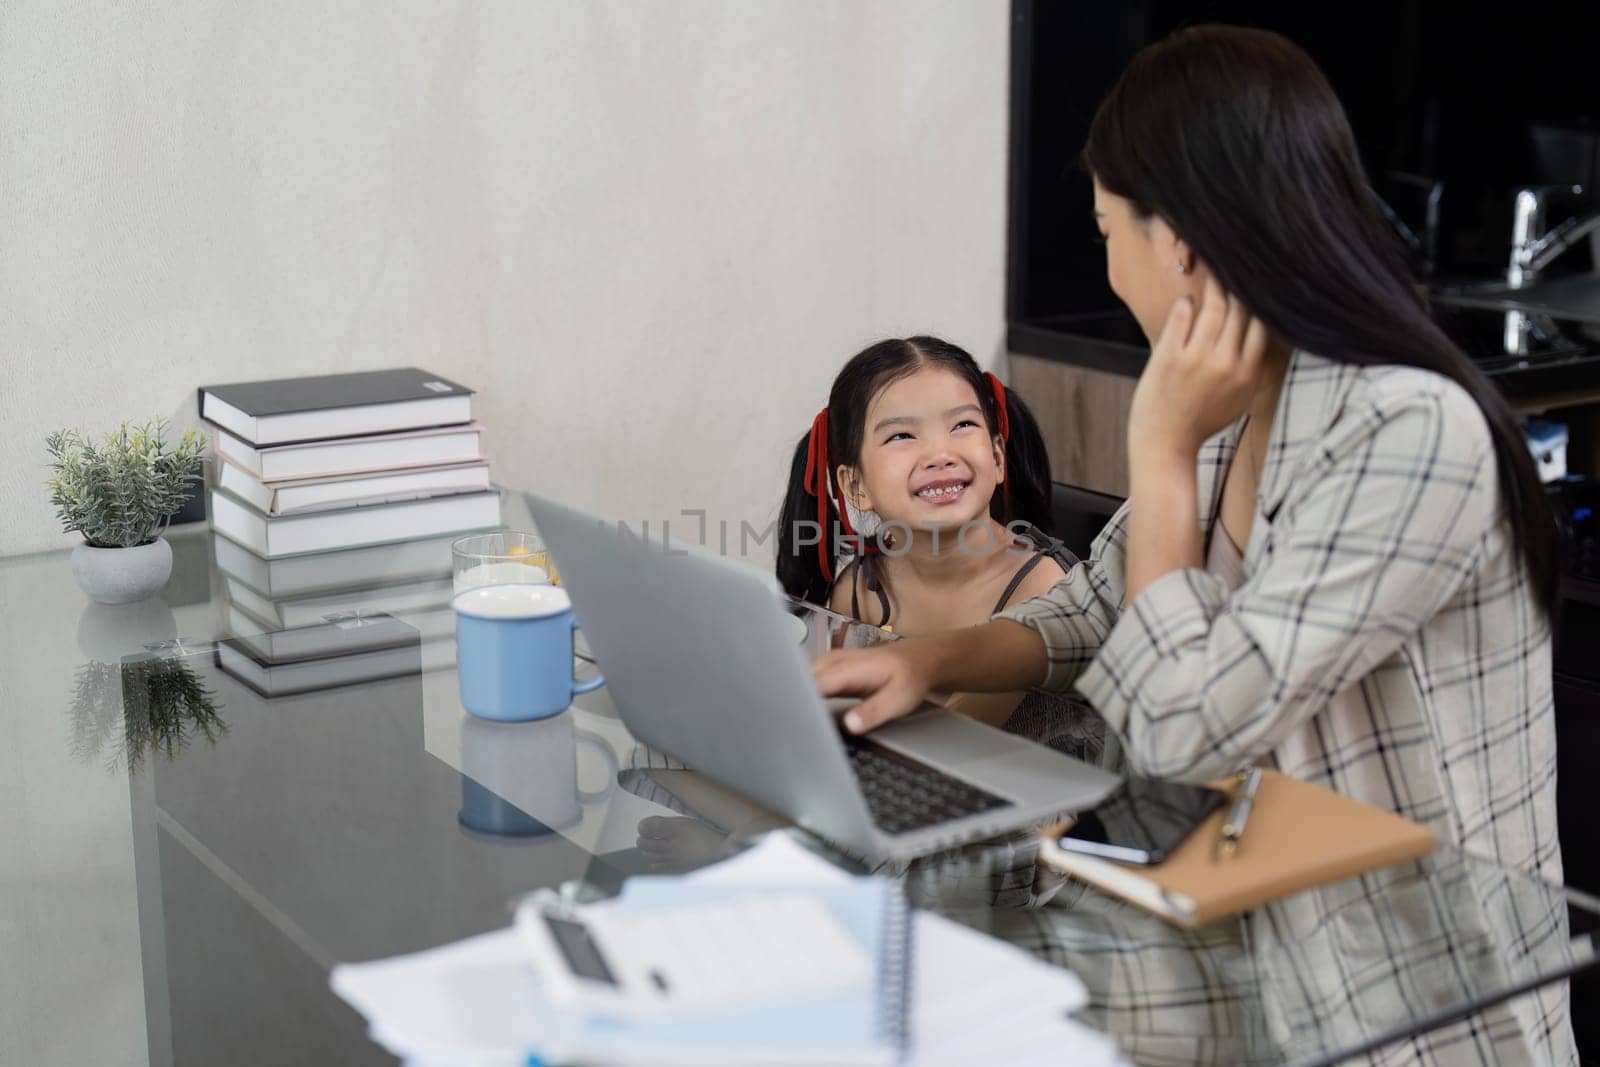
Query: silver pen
{"points": [[1238, 812]]}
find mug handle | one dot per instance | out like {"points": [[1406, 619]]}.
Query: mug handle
{"points": [[588, 796], [593, 683]]}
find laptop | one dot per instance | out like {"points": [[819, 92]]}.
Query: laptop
{"points": [[702, 662]]}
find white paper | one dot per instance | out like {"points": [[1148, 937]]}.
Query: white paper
{"points": [[464, 1003], [974, 997], [777, 859], [964, 980]]}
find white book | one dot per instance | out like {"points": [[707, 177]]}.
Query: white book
{"points": [[288, 535], [340, 491], [370, 454], [307, 676], [323, 607], [350, 568]]}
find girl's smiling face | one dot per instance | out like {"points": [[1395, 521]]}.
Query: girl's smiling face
{"points": [[927, 457]]}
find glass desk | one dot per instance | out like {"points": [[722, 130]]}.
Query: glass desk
{"points": [[186, 856]]}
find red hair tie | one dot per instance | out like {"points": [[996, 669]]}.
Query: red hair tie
{"points": [[1003, 420], [820, 484], [1003, 423]]}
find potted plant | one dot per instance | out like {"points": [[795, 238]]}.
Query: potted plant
{"points": [[119, 495]]}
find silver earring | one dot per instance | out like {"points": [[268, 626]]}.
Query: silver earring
{"points": [[1181, 268], [866, 523]]}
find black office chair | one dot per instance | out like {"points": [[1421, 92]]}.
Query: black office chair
{"points": [[1079, 515]]}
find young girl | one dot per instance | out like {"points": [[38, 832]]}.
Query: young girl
{"points": [[920, 502]]}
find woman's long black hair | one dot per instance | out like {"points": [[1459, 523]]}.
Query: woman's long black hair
{"points": [[1027, 468], [1235, 138]]}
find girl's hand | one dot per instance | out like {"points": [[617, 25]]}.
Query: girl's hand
{"points": [[891, 679], [1201, 376]]}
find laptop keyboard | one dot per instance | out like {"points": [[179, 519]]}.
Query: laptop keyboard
{"points": [[904, 794]]}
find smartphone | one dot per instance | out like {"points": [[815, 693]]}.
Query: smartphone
{"points": [[1142, 822]]}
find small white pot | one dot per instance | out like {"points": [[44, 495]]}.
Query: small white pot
{"points": [[122, 575]]}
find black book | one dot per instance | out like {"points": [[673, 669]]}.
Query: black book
{"points": [[335, 405], [311, 675], [339, 635]]}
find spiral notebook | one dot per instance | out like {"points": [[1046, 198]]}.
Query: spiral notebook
{"points": [[861, 1023]]}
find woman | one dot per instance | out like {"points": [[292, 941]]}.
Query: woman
{"points": [[1357, 586]]}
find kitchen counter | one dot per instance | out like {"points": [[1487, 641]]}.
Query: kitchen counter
{"points": [[1561, 365]]}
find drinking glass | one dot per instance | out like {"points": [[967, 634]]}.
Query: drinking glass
{"points": [[510, 557]]}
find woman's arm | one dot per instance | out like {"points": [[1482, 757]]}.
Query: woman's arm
{"points": [[896, 677], [1202, 373], [989, 696], [1163, 535], [1387, 520]]}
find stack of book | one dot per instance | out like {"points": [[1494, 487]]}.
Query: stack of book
{"points": [[344, 460], [335, 618], [334, 505]]}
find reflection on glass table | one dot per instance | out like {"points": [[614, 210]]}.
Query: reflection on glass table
{"points": [[272, 836], [521, 779], [1411, 947], [148, 703]]}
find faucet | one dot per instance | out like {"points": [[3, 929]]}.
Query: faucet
{"points": [[1532, 250]]}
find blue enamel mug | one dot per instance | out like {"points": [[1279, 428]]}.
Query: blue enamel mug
{"points": [[514, 652]]}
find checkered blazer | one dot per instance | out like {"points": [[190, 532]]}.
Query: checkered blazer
{"points": [[1385, 643]]}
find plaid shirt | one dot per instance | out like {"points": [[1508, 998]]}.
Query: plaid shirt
{"points": [[1385, 643]]}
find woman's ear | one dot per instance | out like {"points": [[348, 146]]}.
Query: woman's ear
{"points": [[1188, 272], [1172, 248], [851, 485], [1183, 260]]}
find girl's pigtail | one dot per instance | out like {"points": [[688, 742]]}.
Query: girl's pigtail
{"points": [[811, 525], [1027, 489]]}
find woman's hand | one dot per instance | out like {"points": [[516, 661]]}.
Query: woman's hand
{"points": [[891, 679], [1202, 373]]}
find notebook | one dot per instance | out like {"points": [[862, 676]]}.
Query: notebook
{"points": [[863, 1022], [334, 405], [1298, 836]]}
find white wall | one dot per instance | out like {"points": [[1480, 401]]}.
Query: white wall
{"points": [[649, 233]]}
